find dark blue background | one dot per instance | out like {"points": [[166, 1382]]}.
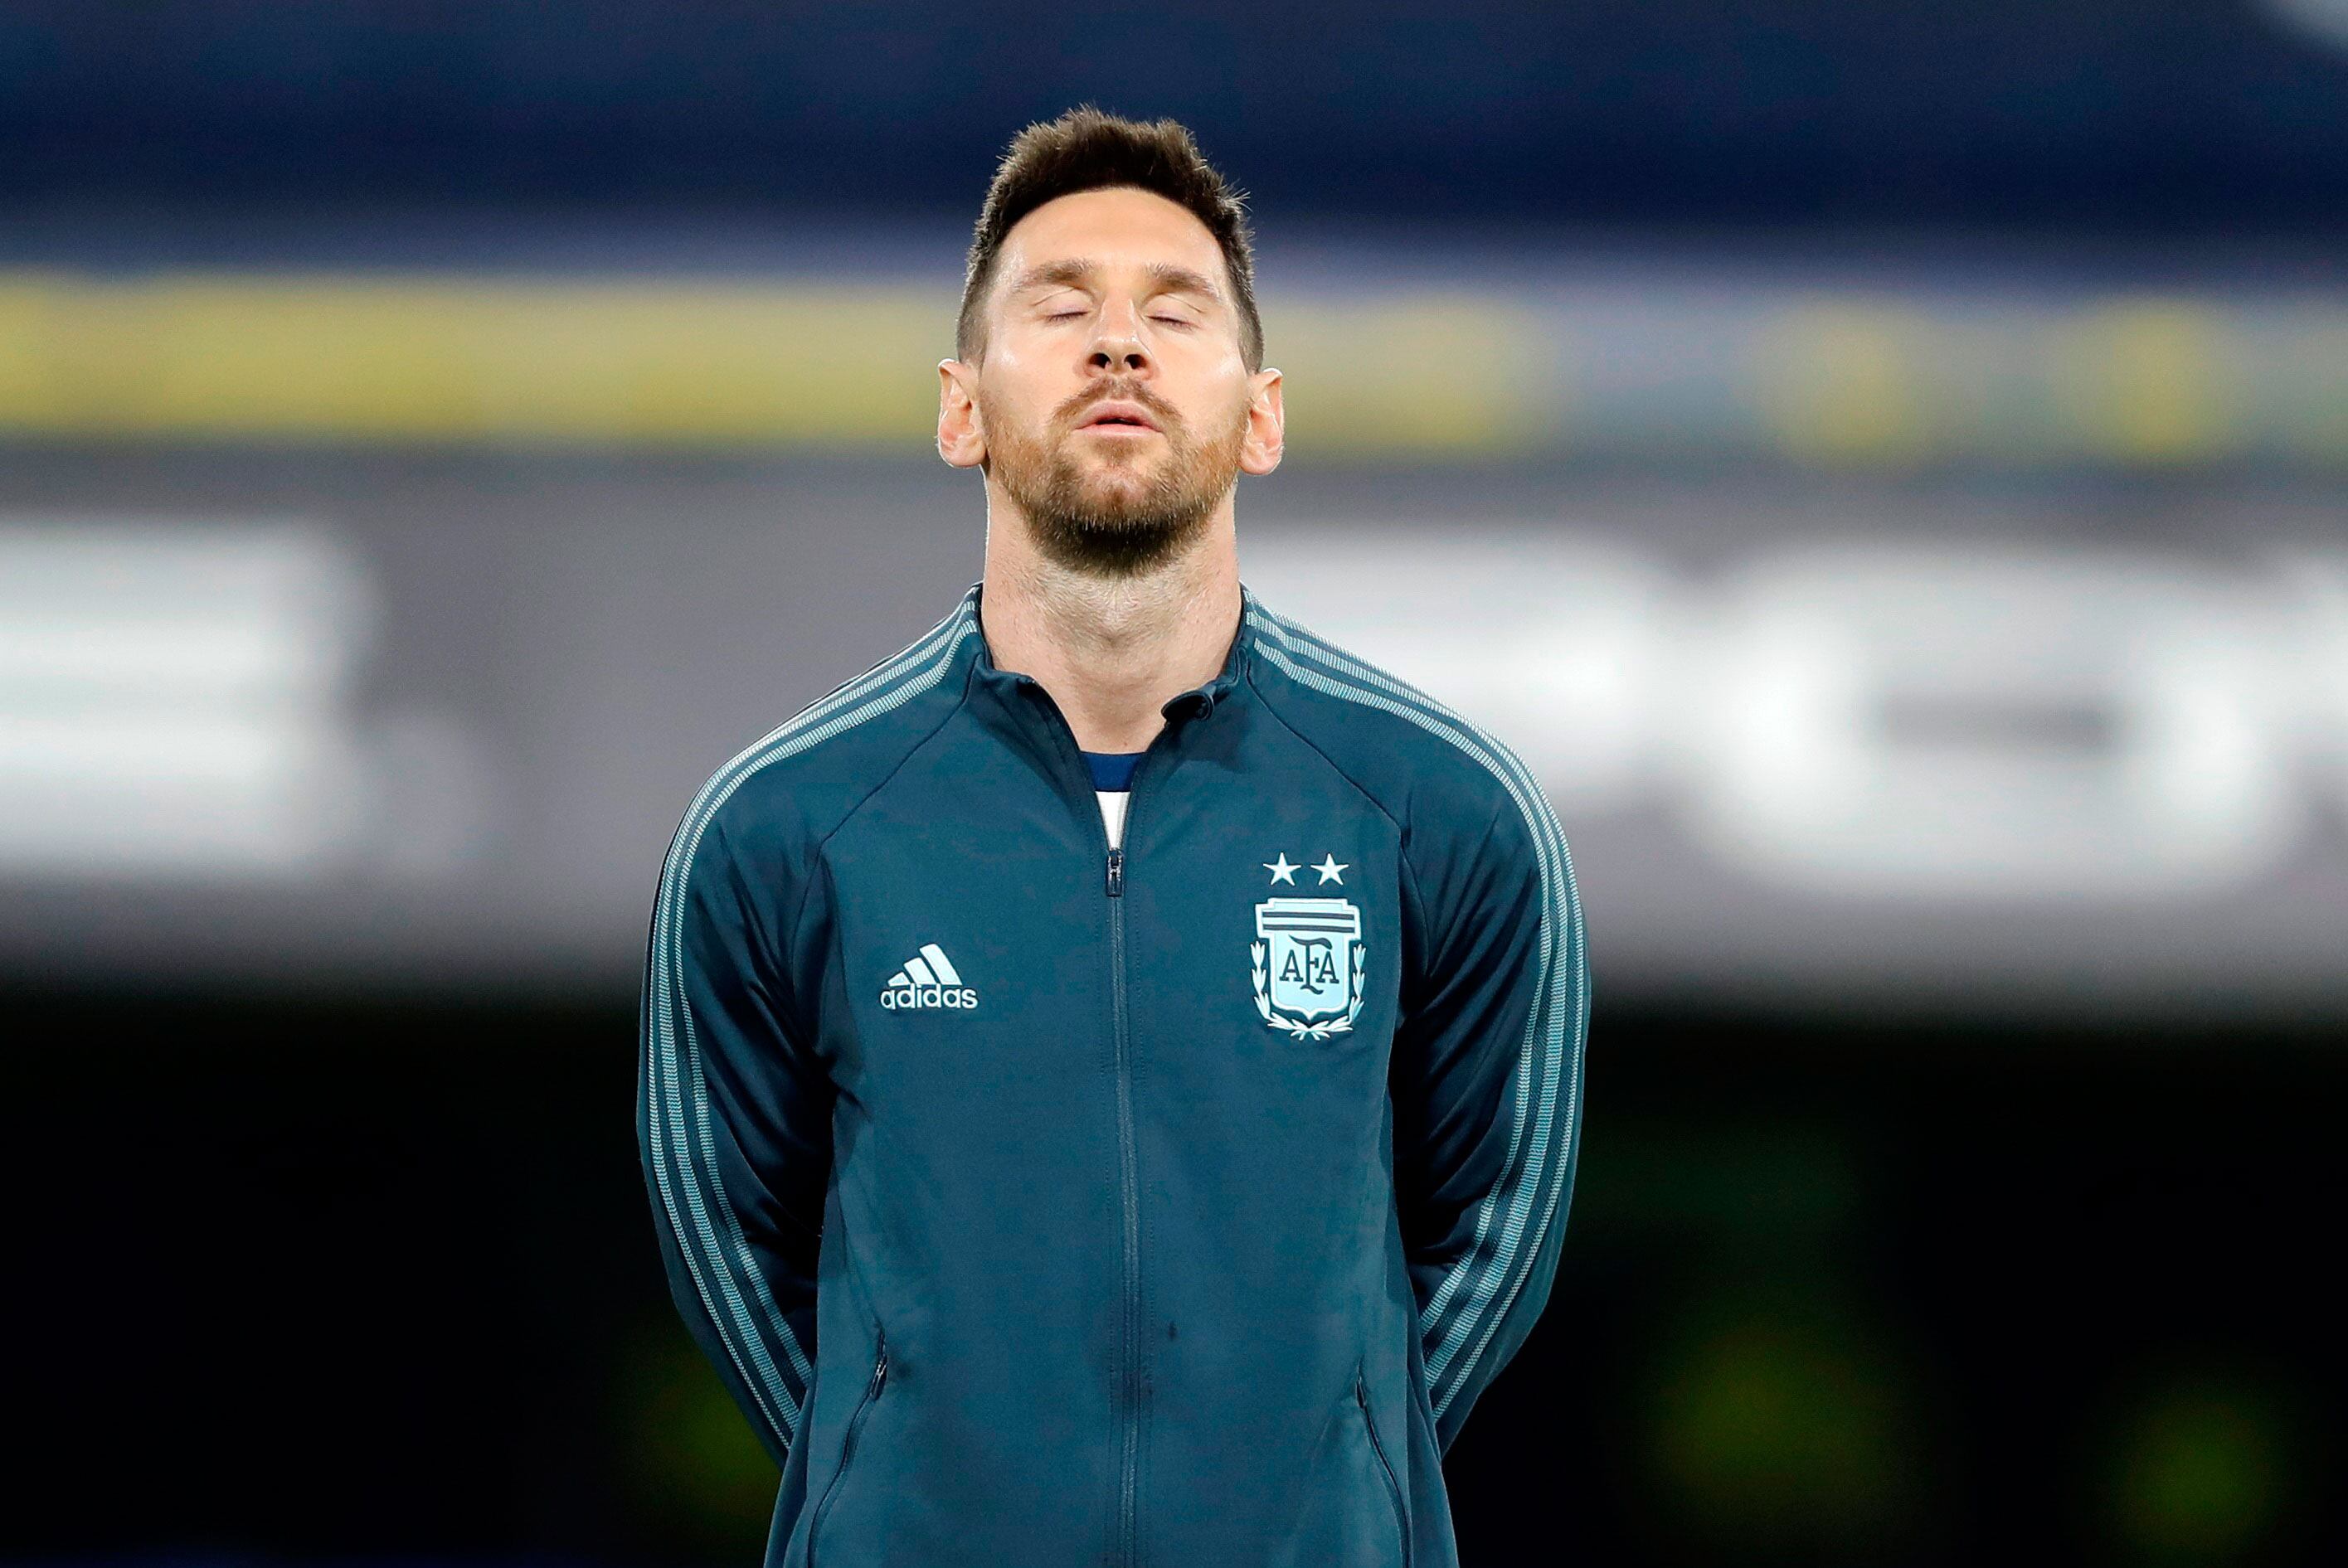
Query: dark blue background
{"points": [[2120, 114]]}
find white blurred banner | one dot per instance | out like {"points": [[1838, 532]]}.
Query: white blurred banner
{"points": [[430, 719]]}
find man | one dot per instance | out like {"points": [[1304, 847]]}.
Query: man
{"points": [[1112, 1071]]}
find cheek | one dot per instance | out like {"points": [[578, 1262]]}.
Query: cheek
{"points": [[1215, 409], [1203, 380], [1003, 415], [1016, 393]]}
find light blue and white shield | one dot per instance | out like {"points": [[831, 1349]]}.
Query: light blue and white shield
{"points": [[1308, 963]]}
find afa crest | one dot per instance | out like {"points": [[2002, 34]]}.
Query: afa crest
{"points": [[1307, 962]]}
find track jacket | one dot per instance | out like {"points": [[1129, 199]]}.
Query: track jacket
{"points": [[1044, 1203]]}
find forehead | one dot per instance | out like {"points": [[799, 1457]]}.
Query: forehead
{"points": [[1118, 227]]}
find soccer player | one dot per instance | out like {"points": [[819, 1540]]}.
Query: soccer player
{"points": [[1111, 1071]]}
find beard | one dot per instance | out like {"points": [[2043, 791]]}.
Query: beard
{"points": [[1121, 515]]}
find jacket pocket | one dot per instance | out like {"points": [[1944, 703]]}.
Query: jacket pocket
{"points": [[848, 1443], [1393, 1488]]}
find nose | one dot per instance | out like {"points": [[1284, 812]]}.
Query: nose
{"points": [[1117, 345]]}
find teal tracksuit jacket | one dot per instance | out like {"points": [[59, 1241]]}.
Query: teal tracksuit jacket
{"points": [[1044, 1203]]}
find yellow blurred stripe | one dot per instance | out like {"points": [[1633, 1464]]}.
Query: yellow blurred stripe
{"points": [[444, 359], [1836, 381]]}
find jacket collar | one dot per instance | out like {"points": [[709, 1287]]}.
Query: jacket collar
{"points": [[1198, 701]]}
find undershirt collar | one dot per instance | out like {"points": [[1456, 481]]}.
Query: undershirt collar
{"points": [[1112, 770]]}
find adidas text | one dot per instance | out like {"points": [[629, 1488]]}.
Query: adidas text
{"points": [[898, 997], [929, 980]]}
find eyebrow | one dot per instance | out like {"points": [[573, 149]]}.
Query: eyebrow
{"points": [[1076, 270]]}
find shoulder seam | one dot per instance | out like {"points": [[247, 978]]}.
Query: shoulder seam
{"points": [[907, 657], [815, 851], [1398, 687]]}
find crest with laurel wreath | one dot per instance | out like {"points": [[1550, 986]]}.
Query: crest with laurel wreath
{"points": [[1307, 965]]}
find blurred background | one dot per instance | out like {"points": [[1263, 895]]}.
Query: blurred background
{"points": [[1884, 464]]}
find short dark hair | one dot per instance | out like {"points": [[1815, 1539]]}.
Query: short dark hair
{"points": [[1085, 149]]}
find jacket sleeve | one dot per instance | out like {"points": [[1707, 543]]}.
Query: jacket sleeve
{"points": [[1486, 1083], [733, 1121]]}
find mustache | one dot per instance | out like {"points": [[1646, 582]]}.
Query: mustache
{"points": [[1120, 392]]}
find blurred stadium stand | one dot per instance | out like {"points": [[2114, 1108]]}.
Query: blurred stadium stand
{"points": [[1899, 455]]}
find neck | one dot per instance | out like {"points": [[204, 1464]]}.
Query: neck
{"points": [[1111, 651]]}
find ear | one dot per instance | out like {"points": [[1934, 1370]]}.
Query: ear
{"points": [[1259, 453], [961, 440]]}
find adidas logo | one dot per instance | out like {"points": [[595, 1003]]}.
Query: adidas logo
{"points": [[928, 980]]}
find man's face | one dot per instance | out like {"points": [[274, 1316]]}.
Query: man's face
{"points": [[1111, 400]]}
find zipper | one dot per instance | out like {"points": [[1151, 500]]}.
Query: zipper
{"points": [[1129, 1184], [1127, 1159], [1393, 1488], [1127, 1553], [1128, 1169], [848, 1443]]}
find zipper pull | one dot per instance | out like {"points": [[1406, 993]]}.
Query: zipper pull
{"points": [[1116, 873], [880, 1369]]}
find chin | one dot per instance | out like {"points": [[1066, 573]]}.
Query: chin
{"points": [[1117, 488]]}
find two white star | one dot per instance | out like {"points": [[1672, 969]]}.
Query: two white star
{"points": [[1330, 868]]}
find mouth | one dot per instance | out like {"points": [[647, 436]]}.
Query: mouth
{"points": [[1112, 418]]}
